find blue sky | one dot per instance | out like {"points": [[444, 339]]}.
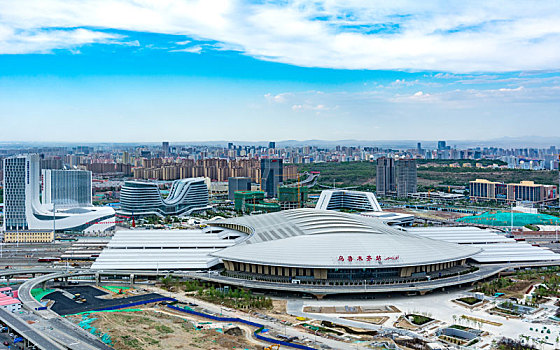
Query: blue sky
{"points": [[123, 70]]}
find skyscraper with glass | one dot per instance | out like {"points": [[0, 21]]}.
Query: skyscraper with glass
{"points": [[271, 176]]}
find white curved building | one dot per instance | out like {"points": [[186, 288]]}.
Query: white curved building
{"points": [[344, 199], [145, 198], [23, 210], [321, 245]]}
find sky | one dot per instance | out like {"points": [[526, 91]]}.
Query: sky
{"points": [[183, 71]]}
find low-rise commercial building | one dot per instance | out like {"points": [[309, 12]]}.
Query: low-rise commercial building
{"points": [[29, 236]]}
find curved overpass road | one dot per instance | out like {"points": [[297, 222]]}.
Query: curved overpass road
{"points": [[59, 329], [36, 337]]}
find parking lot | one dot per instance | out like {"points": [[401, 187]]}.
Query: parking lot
{"points": [[66, 306]]}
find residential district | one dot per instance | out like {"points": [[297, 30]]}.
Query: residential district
{"points": [[174, 246]]}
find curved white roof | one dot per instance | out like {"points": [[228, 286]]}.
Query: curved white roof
{"points": [[329, 239]]}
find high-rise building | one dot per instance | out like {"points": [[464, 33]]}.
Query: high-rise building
{"points": [[165, 147], [66, 188], [238, 184], [272, 144], [385, 179], [271, 176], [441, 145], [126, 157], [407, 181], [23, 210], [18, 173]]}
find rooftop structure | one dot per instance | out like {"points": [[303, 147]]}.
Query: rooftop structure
{"points": [[145, 198], [164, 249], [323, 245], [437, 195], [391, 219], [496, 247]]}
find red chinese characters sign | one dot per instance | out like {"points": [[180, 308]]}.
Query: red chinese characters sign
{"points": [[367, 258]]}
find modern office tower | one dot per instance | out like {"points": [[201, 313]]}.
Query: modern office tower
{"points": [[31, 220], [441, 145], [271, 176], [238, 184], [419, 148], [385, 179], [66, 188], [144, 198], [165, 147], [407, 181], [272, 144]]}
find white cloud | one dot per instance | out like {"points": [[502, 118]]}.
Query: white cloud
{"points": [[44, 41], [467, 36], [193, 49], [307, 107], [279, 98]]}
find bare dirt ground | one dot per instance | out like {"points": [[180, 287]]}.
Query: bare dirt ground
{"points": [[404, 324], [279, 311], [151, 330], [378, 320], [519, 288]]}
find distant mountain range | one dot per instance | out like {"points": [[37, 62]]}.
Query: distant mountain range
{"points": [[504, 142]]}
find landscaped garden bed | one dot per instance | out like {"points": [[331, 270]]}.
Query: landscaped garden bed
{"points": [[418, 320]]}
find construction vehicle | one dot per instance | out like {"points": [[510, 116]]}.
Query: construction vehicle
{"points": [[272, 347]]}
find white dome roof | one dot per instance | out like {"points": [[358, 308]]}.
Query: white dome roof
{"points": [[329, 239]]}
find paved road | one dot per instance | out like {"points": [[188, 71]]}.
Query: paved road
{"points": [[65, 306], [25, 330], [58, 328]]}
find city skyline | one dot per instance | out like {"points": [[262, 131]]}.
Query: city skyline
{"points": [[123, 71]]}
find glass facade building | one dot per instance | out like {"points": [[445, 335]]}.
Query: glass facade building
{"points": [[66, 188]]}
